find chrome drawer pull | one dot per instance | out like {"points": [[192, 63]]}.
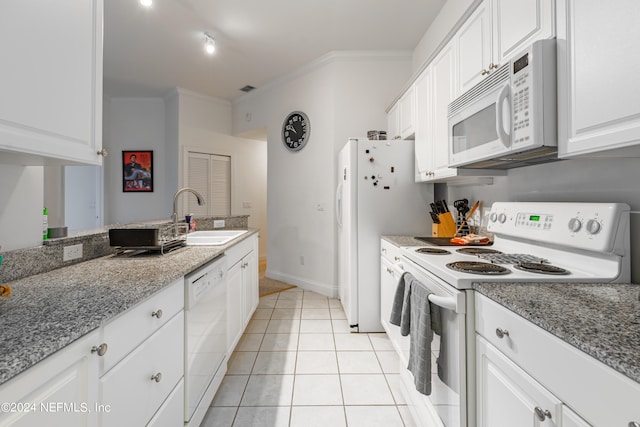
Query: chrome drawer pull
{"points": [[542, 415], [157, 377], [157, 314], [501, 333], [100, 349]]}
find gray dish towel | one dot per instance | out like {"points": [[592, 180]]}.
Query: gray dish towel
{"points": [[401, 308], [421, 336]]}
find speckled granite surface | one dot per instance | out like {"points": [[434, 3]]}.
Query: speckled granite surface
{"points": [[48, 311], [403, 241], [602, 320]]}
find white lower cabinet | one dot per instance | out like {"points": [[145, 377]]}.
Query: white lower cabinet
{"points": [[59, 391], [571, 419], [242, 288], [138, 385], [524, 371], [507, 396]]}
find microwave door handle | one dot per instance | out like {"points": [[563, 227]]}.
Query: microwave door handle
{"points": [[502, 134], [444, 302]]}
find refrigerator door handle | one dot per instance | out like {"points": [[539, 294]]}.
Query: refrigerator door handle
{"points": [[339, 205]]}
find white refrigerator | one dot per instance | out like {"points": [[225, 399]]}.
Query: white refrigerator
{"points": [[376, 195]]}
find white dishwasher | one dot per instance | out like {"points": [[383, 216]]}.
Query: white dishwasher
{"points": [[205, 337]]}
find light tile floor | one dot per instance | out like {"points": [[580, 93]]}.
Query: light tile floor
{"points": [[298, 365]]}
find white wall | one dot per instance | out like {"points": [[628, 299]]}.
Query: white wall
{"points": [[203, 124], [21, 203], [135, 124], [343, 94]]}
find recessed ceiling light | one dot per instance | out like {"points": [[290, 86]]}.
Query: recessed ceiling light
{"points": [[209, 44], [146, 3]]}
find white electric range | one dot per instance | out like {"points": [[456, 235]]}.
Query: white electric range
{"points": [[533, 242]]}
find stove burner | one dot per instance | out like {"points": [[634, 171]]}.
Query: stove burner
{"points": [[432, 251], [536, 267], [512, 258], [477, 251], [475, 267]]}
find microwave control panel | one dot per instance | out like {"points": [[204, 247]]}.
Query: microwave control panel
{"points": [[521, 100]]}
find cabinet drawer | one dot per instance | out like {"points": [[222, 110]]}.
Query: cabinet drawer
{"points": [[124, 333], [129, 389], [238, 251], [171, 413], [390, 251], [609, 399]]}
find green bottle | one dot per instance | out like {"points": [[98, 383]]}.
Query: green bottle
{"points": [[45, 224]]}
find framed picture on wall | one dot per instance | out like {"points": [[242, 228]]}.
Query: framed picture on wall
{"points": [[137, 171]]}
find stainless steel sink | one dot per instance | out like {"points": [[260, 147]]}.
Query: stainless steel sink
{"points": [[213, 237]]}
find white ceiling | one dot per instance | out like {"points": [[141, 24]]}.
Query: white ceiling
{"points": [[149, 51]]}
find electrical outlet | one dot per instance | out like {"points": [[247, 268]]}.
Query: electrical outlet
{"points": [[72, 252], [246, 205], [218, 223]]}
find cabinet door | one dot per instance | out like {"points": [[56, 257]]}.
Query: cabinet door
{"points": [[508, 396], [424, 127], [393, 122], [598, 85], [235, 306], [407, 114], [59, 391], [474, 48], [517, 24], [443, 93], [51, 82], [250, 285]]}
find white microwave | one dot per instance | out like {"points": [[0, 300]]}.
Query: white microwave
{"points": [[509, 119]]}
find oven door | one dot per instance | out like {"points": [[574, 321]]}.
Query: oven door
{"points": [[447, 403], [481, 130]]}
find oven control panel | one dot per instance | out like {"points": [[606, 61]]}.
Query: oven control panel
{"points": [[601, 227]]}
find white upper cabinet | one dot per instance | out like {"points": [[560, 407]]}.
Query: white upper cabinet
{"points": [[474, 47], [393, 122], [598, 86], [435, 89], [497, 30], [51, 82], [407, 114]]}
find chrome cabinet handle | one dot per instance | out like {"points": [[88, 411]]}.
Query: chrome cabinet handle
{"points": [[157, 377], [103, 152], [542, 414], [390, 271], [384, 250], [100, 349], [492, 66], [634, 424], [396, 258], [501, 333], [485, 72], [157, 314]]}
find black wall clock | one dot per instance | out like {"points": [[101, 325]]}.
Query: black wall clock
{"points": [[295, 130]]}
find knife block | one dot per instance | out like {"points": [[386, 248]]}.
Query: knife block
{"points": [[446, 228]]}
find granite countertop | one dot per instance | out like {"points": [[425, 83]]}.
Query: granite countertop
{"points": [[48, 311], [601, 319], [404, 240]]}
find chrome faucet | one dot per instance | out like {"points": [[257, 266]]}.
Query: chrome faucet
{"points": [[174, 215]]}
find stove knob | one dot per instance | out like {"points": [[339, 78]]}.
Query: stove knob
{"points": [[493, 217], [593, 226], [502, 218], [575, 224]]}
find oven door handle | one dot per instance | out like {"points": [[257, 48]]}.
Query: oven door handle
{"points": [[444, 302]]}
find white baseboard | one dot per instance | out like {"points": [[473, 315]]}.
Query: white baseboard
{"points": [[322, 288]]}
